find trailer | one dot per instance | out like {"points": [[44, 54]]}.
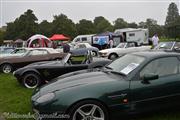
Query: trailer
{"points": [[139, 35]]}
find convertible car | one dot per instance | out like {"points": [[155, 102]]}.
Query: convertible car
{"points": [[134, 83], [169, 46], [11, 63], [39, 73]]}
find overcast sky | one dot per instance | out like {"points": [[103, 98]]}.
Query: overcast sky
{"points": [[130, 10]]}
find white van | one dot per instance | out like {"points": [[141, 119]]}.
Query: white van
{"points": [[83, 38], [139, 35]]}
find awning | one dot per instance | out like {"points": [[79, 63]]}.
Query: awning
{"points": [[59, 37]]}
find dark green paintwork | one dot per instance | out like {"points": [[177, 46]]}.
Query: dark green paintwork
{"points": [[112, 89]]}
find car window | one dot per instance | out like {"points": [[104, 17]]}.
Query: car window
{"points": [[18, 51], [81, 46], [84, 38], [77, 40], [162, 66], [130, 45], [121, 45]]}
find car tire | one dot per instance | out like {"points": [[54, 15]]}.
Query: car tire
{"points": [[113, 56], [6, 68], [31, 80], [94, 53], [57, 59], [88, 110]]}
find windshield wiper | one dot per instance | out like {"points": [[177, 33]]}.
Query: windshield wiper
{"points": [[108, 67], [112, 71], [119, 73]]}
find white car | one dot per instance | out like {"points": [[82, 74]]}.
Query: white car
{"points": [[122, 49]]}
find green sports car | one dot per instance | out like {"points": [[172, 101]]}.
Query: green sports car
{"points": [[135, 83]]}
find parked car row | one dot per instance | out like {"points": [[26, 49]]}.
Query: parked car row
{"points": [[96, 88]]}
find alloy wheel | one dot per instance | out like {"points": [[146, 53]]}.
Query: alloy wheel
{"points": [[89, 112], [7, 68]]}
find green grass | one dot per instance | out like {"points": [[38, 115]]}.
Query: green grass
{"points": [[168, 39], [13, 97], [16, 99]]}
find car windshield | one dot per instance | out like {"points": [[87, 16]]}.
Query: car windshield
{"points": [[18, 51], [164, 46], [66, 58], [121, 45], [126, 64], [78, 46]]}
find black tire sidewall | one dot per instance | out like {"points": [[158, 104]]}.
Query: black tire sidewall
{"points": [[31, 74], [94, 53], [112, 55]]}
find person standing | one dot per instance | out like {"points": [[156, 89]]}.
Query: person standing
{"points": [[111, 43], [66, 47], [155, 40]]}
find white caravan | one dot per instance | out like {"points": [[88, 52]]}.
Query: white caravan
{"points": [[139, 35], [83, 38]]}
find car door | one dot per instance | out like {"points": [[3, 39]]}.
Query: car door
{"points": [[158, 93]]}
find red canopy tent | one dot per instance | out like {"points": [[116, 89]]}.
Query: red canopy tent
{"points": [[59, 37]]}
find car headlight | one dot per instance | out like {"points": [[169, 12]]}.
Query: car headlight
{"points": [[45, 98]]}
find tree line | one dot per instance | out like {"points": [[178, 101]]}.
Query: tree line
{"points": [[27, 25]]}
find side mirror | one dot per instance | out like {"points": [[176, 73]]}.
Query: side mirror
{"points": [[150, 76]]}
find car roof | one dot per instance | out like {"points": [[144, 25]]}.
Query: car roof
{"points": [[51, 50], [155, 53]]}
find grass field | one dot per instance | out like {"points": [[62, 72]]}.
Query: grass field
{"points": [[16, 99], [13, 97]]}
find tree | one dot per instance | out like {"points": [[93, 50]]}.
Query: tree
{"points": [[1, 36], [85, 27], [23, 27], [102, 25], [153, 27], [172, 15], [142, 24], [120, 23], [172, 21], [45, 28], [63, 25], [132, 25]]}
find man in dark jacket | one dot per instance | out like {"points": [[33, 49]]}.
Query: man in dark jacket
{"points": [[66, 47]]}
